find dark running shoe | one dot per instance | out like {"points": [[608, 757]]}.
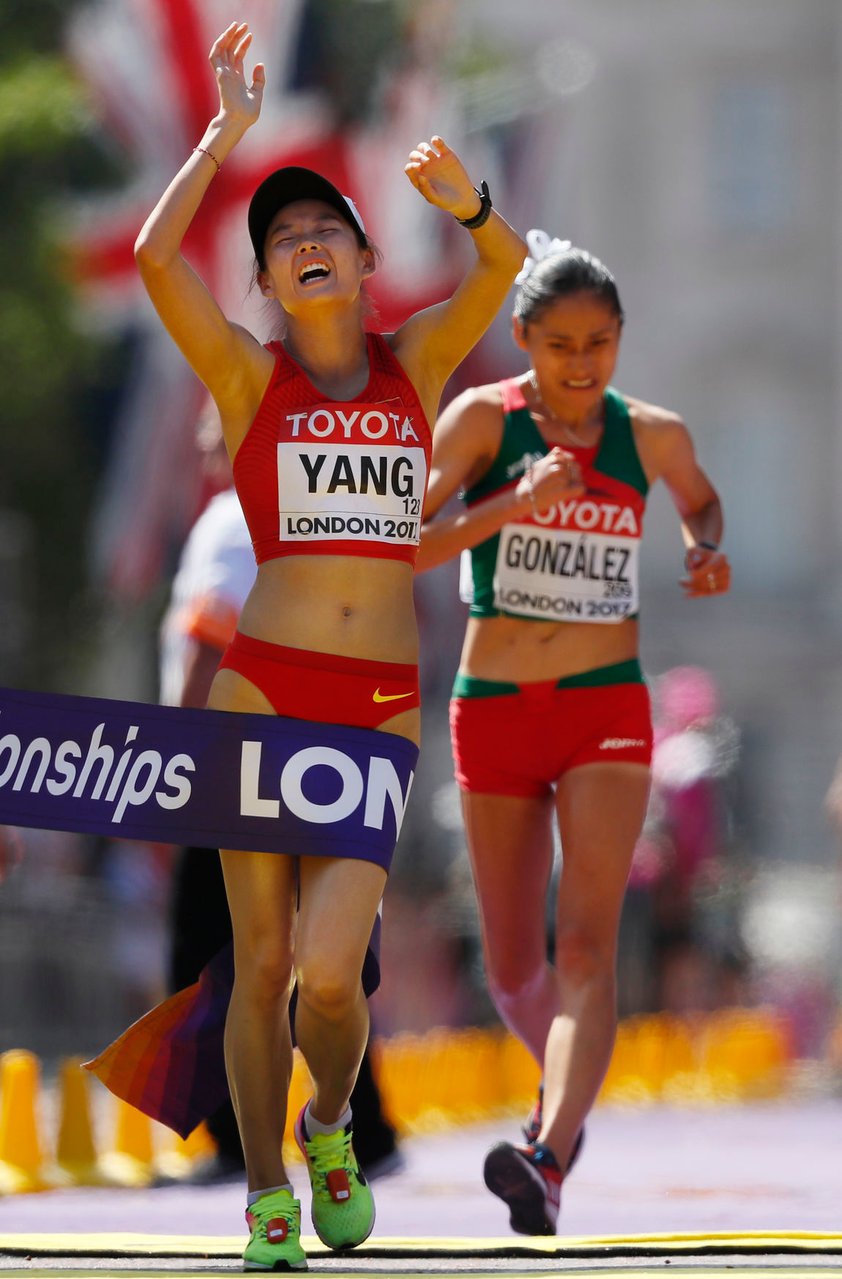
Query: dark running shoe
{"points": [[528, 1180], [532, 1130]]}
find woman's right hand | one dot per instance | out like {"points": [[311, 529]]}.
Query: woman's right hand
{"points": [[557, 477], [239, 102]]}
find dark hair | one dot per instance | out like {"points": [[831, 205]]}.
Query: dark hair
{"points": [[560, 274]]}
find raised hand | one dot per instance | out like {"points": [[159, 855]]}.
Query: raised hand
{"points": [[239, 101], [439, 175]]}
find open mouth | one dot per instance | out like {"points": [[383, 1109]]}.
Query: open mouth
{"points": [[313, 271], [580, 384]]}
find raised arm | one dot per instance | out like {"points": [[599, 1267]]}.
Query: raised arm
{"points": [[226, 358], [466, 440], [434, 342]]}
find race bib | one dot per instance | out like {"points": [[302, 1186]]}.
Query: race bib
{"points": [[563, 574], [356, 473]]}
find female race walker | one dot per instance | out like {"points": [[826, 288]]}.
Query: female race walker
{"points": [[328, 432], [549, 707]]}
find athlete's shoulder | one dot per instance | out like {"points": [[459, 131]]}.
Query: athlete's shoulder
{"points": [[474, 417], [652, 419], [647, 414], [484, 399], [661, 437]]}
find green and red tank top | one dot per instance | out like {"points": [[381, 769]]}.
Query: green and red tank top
{"points": [[577, 561]]}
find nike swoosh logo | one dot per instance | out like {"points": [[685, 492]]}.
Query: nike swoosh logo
{"points": [[377, 696]]}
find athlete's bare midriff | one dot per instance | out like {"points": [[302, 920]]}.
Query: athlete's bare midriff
{"points": [[517, 651], [353, 606], [345, 605]]}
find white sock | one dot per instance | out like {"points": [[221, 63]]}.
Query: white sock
{"points": [[253, 1195], [312, 1125]]}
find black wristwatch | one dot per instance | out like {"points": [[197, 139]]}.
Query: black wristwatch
{"points": [[479, 219]]}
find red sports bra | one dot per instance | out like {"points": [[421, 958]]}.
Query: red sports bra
{"points": [[336, 477]]}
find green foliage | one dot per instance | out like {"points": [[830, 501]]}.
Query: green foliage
{"points": [[41, 108], [32, 26], [46, 364]]}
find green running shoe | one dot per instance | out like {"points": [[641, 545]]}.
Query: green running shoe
{"points": [[343, 1206], [275, 1243]]}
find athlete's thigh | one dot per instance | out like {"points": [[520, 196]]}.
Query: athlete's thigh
{"points": [[262, 889], [600, 808], [510, 844], [337, 909]]}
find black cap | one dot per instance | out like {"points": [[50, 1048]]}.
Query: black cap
{"points": [[294, 183]]}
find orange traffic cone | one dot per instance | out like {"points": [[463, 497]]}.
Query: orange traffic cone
{"points": [[131, 1162], [77, 1162], [21, 1160], [183, 1154]]}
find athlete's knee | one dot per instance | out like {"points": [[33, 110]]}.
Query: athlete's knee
{"points": [[263, 966], [328, 989], [583, 957], [510, 988]]}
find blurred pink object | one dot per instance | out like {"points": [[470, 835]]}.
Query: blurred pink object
{"points": [[684, 696]]}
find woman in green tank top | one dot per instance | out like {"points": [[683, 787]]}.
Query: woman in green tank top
{"points": [[550, 713]]}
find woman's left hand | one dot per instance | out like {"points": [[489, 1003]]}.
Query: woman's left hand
{"points": [[239, 101], [707, 573], [439, 175]]}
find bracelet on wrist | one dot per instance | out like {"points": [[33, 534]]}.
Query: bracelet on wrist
{"points": [[205, 151], [704, 546], [481, 217]]}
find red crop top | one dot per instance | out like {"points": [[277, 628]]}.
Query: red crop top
{"points": [[336, 477]]}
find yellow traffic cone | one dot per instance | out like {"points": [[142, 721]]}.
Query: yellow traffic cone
{"points": [[77, 1163], [183, 1154], [21, 1162], [131, 1162]]}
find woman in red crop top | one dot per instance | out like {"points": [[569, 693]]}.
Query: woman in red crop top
{"points": [[328, 434], [550, 712]]}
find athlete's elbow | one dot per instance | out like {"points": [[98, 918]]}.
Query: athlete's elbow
{"points": [[508, 254], [144, 255], [149, 254]]}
